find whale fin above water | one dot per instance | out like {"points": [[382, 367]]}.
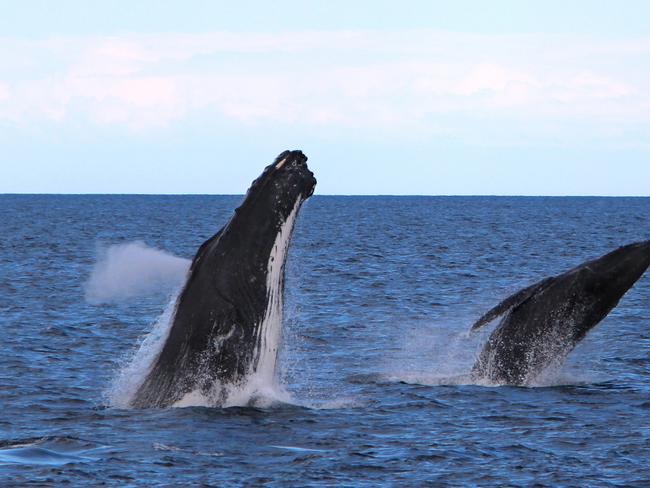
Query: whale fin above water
{"points": [[545, 321], [511, 302]]}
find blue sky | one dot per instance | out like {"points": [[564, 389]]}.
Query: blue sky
{"points": [[499, 97]]}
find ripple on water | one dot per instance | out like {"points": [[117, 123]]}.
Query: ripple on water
{"points": [[50, 451], [380, 295]]}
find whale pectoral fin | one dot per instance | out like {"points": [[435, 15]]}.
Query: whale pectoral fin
{"points": [[511, 302]]}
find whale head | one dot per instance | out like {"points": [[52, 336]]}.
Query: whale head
{"points": [[283, 184], [268, 210]]}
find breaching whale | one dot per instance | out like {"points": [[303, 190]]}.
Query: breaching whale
{"points": [[545, 321], [227, 319]]}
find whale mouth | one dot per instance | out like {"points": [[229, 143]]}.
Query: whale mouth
{"points": [[311, 185], [293, 164]]}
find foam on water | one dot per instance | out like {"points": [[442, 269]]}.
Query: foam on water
{"points": [[125, 271], [440, 354], [250, 393], [159, 446]]}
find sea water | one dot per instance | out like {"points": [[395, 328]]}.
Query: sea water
{"points": [[371, 385]]}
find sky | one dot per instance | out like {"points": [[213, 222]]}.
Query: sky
{"points": [[421, 97]]}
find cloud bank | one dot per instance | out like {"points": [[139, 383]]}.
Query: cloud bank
{"points": [[416, 80]]}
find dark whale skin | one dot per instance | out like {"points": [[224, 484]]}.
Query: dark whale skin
{"points": [[216, 335], [545, 321]]}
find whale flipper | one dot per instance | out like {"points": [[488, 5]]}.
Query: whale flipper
{"points": [[545, 321], [511, 302]]}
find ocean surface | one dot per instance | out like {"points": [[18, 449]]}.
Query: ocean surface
{"points": [[372, 384]]}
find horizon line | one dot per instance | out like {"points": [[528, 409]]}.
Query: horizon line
{"points": [[395, 195]]}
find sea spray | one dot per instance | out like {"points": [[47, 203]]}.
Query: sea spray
{"points": [[432, 353], [125, 271], [137, 365], [437, 354]]}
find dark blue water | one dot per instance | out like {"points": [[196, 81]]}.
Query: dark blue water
{"points": [[380, 294]]}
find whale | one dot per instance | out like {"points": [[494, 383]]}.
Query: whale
{"points": [[542, 323], [226, 324]]}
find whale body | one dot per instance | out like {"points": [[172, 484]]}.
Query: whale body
{"points": [[227, 320], [543, 322]]}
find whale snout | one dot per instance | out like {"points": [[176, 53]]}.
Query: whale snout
{"points": [[290, 159], [294, 164]]}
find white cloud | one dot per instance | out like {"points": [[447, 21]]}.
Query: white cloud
{"points": [[342, 79], [4, 92]]}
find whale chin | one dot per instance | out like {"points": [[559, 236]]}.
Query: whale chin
{"points": [[226, 326]]}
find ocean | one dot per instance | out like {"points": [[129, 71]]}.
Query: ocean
{"points": [[372, 386]]}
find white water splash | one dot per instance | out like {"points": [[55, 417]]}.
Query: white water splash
{"points": [[250, 393], [138, 364], [134, 269], [437, 354], [433, 353]]}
